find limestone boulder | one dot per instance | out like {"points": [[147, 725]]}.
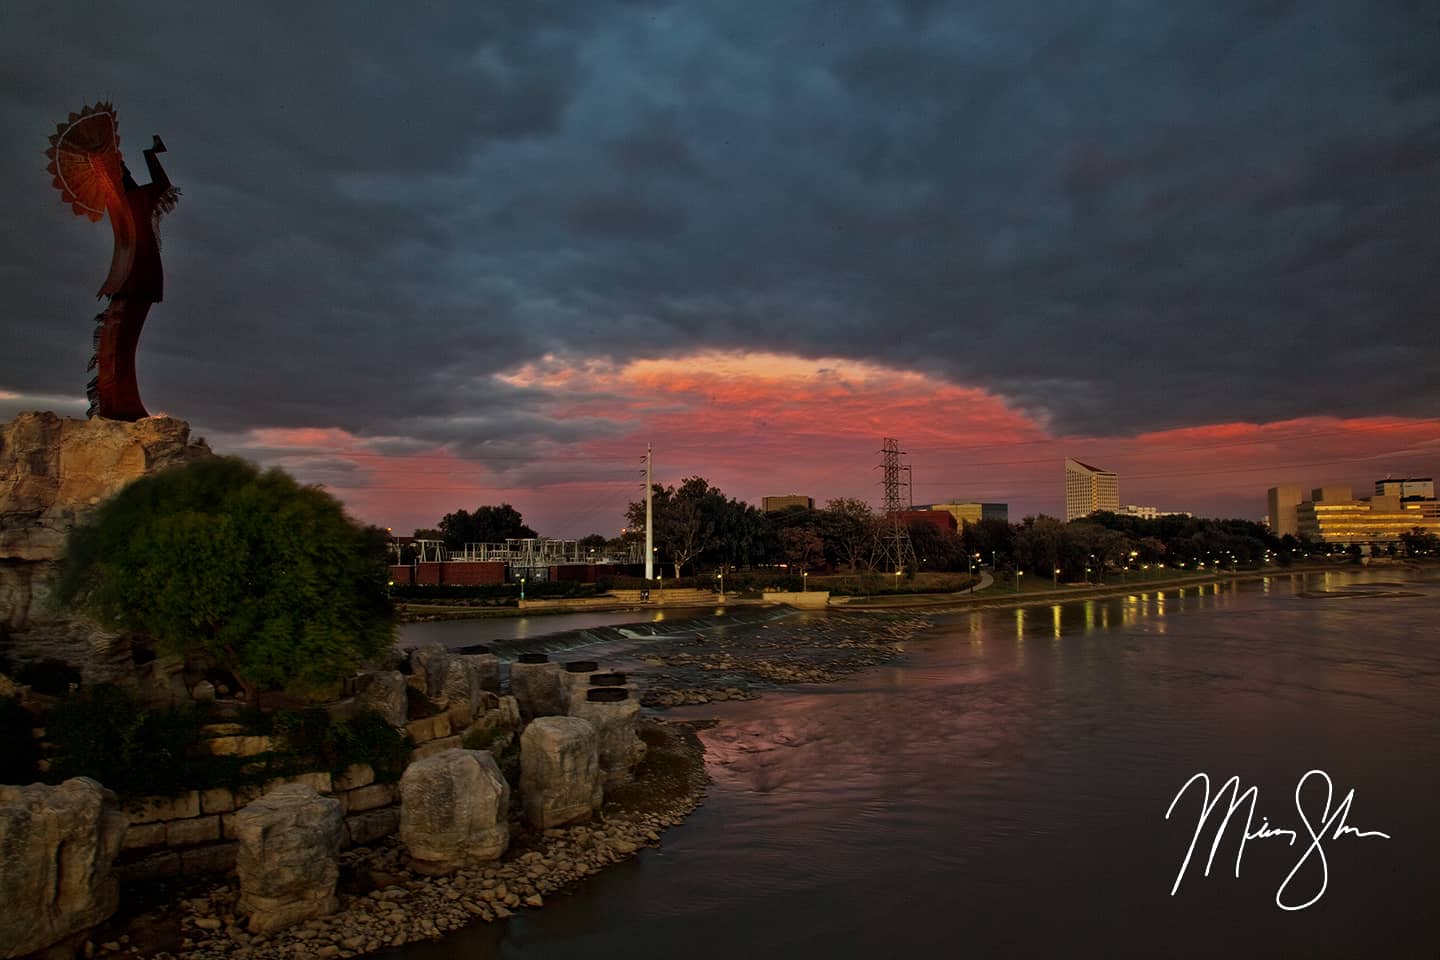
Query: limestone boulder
{"points": [[384, 692], [57, 845], [454, 807], [497, 725], [470, 680], [289, 857], [539, 687], [614, 720], [560, 779], [430, 670]]}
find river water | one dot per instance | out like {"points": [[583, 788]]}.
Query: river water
{"points": [[1002, 789]]}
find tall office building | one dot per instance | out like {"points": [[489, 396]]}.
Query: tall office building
{"points": [[1088, 489], [1282, 502]]}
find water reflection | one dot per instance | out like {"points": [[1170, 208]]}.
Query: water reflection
{"points": [[995, 797]]}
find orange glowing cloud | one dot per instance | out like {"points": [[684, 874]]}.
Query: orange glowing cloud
{"points": [[759, 424]]}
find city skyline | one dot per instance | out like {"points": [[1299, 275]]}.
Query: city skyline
{"points": [[487, 258]]}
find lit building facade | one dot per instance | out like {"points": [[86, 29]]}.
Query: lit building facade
{"points": [[1088, 489], [1377, 520], [776, 504]]}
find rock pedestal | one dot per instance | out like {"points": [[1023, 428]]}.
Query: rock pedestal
{"points": [[613, 714], [576, 681], [454, 809], [56, 847], [559, 772], [53, 472], [289, 857], [538, 686]]}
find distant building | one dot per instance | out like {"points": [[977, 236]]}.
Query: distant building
{"points": [[776, 504], [1380, 519], [1283, 501], [941, 520], [973, 512], [1409, 488], [1088, 489], [1334, 494]]}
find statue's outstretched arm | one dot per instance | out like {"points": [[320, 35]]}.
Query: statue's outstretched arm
{"points": [[157, 172]]}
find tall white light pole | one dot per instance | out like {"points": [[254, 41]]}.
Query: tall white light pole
{"points": [[649, 514]]}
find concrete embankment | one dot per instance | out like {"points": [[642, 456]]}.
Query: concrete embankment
{"points": [[1001, 599]]}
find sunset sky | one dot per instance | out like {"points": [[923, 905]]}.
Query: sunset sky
{"points": [[486, 256]]}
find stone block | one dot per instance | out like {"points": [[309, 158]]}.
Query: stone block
{"points": [[384, 693], [319, 781], [150, 809], [539, 689], [217, 800], [239, 746], [433, 747], [369, 797], [560, 781], [621, 748], [141, 835], [428, 728], [188, 833], [222, 730], [59, 845], [288, 858], [356, 775], [454, 809]]}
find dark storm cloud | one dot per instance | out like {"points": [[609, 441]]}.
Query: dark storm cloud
{"points": [[1119, 218]]}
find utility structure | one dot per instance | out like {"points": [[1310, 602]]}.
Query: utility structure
{"points": [[899, 551], [649, 513]]}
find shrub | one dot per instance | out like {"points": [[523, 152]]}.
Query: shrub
{"points": [[253, 570], [316, 742], [106, 733]]}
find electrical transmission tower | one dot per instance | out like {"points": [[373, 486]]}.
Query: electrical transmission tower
{"points": [[899, 551]]}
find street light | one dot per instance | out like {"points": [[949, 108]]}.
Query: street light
{"points": [[1057, 576], [897, 580], [721, 577], [804, 580], [522, 588], [1018, 574]]}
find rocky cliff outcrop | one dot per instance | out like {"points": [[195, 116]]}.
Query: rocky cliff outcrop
{"points": [[57, 845], [53, 472]]}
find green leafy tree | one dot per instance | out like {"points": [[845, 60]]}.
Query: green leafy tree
{"points": [[850, 530], [262, 575], [484, 525]]}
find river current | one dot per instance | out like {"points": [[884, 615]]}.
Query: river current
{"points": [[1002, 789]]}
